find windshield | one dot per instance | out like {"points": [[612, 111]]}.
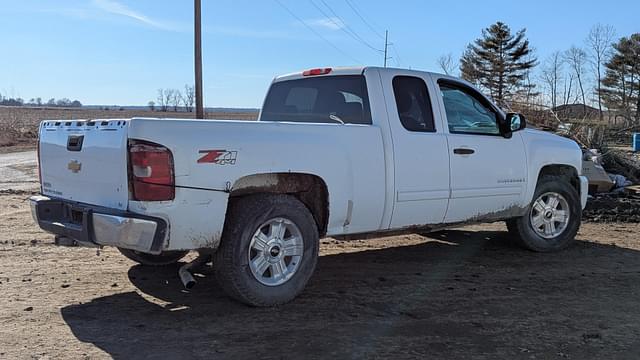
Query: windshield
{"points": [[328, 99]]}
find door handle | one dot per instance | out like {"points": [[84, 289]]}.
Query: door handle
{"points": [[463, 151], [74, 142]]}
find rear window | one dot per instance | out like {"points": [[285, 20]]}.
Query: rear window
{"points": [[327, 99]]}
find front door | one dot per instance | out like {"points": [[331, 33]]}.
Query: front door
{"points": [[488, 171]]}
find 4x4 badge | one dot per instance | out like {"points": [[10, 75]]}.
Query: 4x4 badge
{"points": [[219, 157]]}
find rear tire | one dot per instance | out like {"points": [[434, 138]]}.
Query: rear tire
{"points": [[552, 219], [269, 249], [163, 259]]}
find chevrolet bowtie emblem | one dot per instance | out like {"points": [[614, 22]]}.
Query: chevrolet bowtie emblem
{"points": [[74, 166]]}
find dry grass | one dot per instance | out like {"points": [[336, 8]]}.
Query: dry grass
{"points": [[18, 125]]}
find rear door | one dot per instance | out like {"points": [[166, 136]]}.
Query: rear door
{"points": [[419, 148], [85, 161], [488, 171]]}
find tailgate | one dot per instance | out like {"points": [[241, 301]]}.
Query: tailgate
{"points": [[85, 161]]}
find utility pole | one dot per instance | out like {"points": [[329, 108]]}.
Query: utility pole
{"points": [[386, 43], [198, 58], [386, 47]]}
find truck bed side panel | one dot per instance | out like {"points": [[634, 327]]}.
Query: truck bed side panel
{"points": [[341, 155]]}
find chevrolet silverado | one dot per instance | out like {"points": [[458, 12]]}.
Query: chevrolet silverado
{"points": [[336, 152]]}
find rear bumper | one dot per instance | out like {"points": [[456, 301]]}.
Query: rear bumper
{"points": [[95, 225]]}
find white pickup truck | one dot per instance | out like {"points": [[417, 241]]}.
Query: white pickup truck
{"points": [[342, 152]]}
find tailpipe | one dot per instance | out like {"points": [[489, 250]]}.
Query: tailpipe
{"points": [[185, 270], [185, 276]]}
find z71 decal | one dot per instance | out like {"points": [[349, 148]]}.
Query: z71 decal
{"points": [[219, 157]]}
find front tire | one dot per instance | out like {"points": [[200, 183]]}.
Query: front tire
{"points": [[269, 249], [552, 219], [163, 259]]}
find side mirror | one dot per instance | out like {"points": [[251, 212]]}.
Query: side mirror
{"points": [[511, 123]]}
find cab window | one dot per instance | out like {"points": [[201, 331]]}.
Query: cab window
{"points": [[467, 113], [413, 104]]}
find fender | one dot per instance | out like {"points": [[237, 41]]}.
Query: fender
{"points": [[544, 149]]}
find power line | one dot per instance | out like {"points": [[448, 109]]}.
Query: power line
{"points": [[371, 27], [343, 25], [315, 32], [398, 59]]}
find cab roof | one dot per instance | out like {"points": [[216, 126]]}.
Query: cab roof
{"points": [[333, 71]]}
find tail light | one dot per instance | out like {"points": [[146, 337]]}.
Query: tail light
{"points": [[151, 171], [39, 165]]}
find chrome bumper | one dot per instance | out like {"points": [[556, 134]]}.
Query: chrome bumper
{"points": [[95, 225]]}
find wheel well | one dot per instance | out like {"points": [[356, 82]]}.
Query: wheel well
{"points": [[565, 171], [311, 190]]}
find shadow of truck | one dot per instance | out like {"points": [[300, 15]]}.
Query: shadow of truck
{"points": [[461, 295]]}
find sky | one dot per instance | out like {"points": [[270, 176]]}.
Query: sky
{"points": [[120, 52]]}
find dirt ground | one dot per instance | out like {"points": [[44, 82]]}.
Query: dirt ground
{"points": [[18, 170], [462, 293]]}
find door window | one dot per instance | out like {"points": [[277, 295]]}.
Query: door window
{"points": [[413, 103], [466, 113]]}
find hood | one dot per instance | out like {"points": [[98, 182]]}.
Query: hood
{"points": [[550, 136]]}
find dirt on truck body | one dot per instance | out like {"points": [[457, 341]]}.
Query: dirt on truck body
{"points": [[462, 293]]}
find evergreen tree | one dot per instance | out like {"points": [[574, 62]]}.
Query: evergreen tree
{"points": [[499, 62], [621, 84]]}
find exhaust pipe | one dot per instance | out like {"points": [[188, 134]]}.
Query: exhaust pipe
{"points": [[185, 270], [185, 276]]}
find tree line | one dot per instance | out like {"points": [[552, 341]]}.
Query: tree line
{"points": [[174, 99], [603, 71], [64, 102]]}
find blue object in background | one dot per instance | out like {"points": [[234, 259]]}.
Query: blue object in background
{"points": [[636, 142]]}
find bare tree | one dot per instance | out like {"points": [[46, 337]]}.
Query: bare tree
{"points": [[189, 97], [168, 97], [528, 85], [176, 99], [162, 100], [599, 41], [152, 105], [577, 58], [566, 94], [447, 64], [552, 75]]}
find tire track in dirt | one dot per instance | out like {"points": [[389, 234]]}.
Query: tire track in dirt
{"points": [[18, 171]]}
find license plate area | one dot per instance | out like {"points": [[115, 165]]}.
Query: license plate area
{"points": [[73, 215], [66, 219]]}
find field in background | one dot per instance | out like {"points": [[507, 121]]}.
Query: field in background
{"points": [[18, 125]]}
